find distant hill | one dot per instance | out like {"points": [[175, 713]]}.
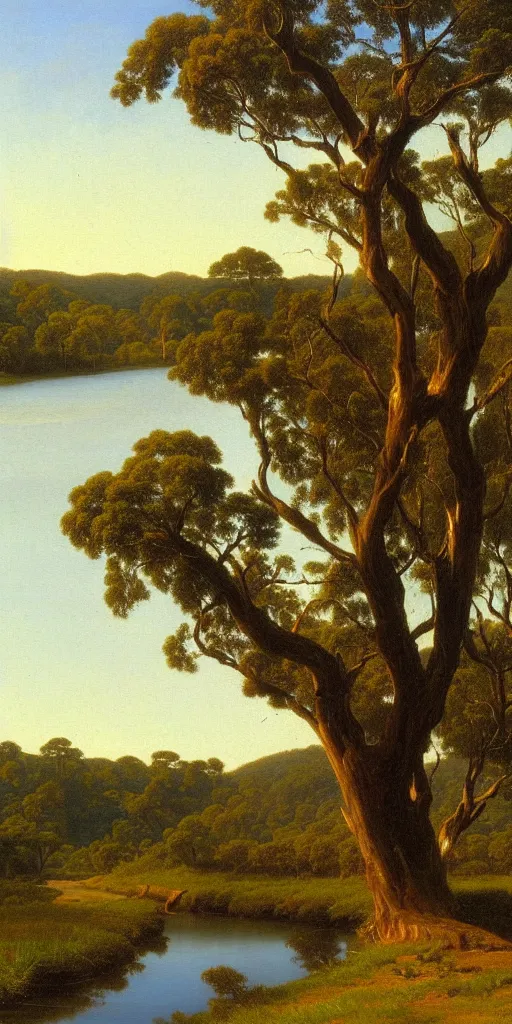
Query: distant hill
{"points": [[267, 769], [447, 780], [126, 291]]}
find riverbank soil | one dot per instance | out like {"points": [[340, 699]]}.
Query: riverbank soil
{"points": [[77, 892], [459, 988]]}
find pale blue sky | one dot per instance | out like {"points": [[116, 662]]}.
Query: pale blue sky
{"points": [[89, 186]]}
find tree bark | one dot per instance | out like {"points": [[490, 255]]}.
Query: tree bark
{"points": [[386, 805]]}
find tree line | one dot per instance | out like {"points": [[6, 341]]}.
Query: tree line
{"points": [[64, 324], [65, 813]]}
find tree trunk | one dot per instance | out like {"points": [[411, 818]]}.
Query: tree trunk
{"points": [[386, 806]]}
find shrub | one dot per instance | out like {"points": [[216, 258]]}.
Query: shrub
{"points": [[15, 893], [226, 981], [234, 856]]}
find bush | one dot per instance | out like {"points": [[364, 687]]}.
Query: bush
{"points": [[234, 856], [18, 893], [225, 981], [500, 851], [472, 868]]}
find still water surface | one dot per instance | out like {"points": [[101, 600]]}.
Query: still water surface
{"points": [[168, 978], [64, 658]]}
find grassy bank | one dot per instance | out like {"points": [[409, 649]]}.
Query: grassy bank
{"points": [[324, 901], [344, 902], [43, 944], [382, 985]]}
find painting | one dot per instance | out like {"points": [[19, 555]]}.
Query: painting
{"points": [[256, 452]]}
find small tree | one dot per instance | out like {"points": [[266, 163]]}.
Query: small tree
{"points": [[38, 823], [61, 755], [246, 264], [226, 981]]}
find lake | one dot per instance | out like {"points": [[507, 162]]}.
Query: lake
{"points": [[66, 661], [168, 978]]}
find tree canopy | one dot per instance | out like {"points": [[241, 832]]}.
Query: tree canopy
{"points": [[385, 415], [246, 264]]}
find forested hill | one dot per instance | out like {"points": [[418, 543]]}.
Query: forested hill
{"points": [[127, 291], [56, 323], [61, 811]]}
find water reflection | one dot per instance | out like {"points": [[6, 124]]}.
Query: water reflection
{"points": [[316, 948], [70, 1001], [73, 999]]}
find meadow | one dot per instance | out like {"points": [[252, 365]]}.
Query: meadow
{"points": [[342, 902]]}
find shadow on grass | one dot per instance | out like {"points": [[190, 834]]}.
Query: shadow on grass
{"points": [[490, 909]]}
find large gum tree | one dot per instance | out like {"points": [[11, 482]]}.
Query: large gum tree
{"points": [[386, 417]]}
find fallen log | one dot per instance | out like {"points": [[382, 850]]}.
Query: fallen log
{"points": [[169, 898]]}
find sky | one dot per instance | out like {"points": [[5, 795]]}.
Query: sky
{"points": [[90, 186]]}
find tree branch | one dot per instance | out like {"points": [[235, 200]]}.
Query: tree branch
{"points": [[410, 69], [301, 64], [470, 807], [456, 565], [291, 515], [482, 284], [422, 120], [348, 351], [438, 260], [500, 382]]}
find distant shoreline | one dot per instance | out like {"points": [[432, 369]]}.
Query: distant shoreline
{"points": [[10, 379]]}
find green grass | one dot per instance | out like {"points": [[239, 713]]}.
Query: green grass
{"points": [[44, 943], [14, 893], [345, 902], [325, 901]]}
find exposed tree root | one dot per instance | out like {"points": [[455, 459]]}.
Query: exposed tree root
{"points": [[406, 926]]}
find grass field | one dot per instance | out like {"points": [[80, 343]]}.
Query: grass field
{"points": [[324, 901], [43, 943]]}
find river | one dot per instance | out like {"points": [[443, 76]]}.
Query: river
{"points": [[168, 977]]}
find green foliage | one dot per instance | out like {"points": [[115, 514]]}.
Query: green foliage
{"points": [[72, 816], [60, 323], [43, 943], [61, 812], [17, 893], [225, 981], [246, 264]]}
